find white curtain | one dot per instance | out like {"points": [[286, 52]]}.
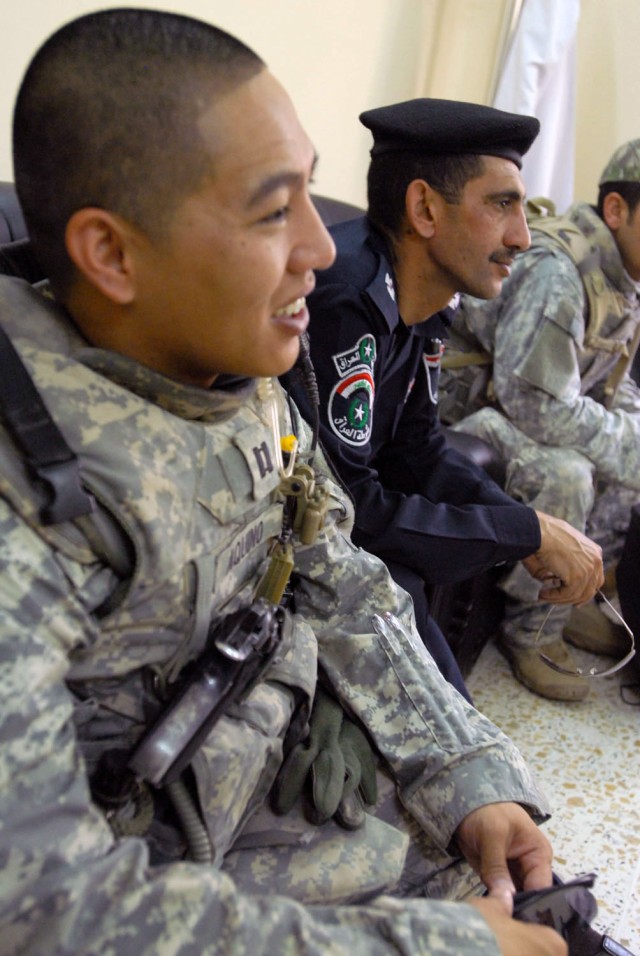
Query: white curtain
{"points": [[538, 78]]}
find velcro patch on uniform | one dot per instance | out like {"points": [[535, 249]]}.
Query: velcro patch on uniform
{"points": [[350, 408]]}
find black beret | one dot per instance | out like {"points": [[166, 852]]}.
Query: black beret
{"points": [[449, 126]]}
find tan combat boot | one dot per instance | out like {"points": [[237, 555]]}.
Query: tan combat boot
{"points": [[591, 630], [537, 676]]}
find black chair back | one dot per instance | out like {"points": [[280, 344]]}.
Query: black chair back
{"points": [[12, 225]]}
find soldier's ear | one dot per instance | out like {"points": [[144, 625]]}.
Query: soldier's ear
{"points": [[421, 208], [99, 244], [615, 211]]}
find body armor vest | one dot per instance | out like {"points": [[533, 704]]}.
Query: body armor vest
{"points": [[606, 308], [188, 478]]}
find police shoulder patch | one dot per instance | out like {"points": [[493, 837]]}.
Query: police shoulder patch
{"points": [[350, 409]]}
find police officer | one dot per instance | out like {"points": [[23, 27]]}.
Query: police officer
{"points": [[445, 215]]}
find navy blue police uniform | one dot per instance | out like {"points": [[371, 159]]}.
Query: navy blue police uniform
{"points": [[426, 510]]}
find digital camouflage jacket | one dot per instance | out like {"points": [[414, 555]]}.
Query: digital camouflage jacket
{"points": [[189, 477]]}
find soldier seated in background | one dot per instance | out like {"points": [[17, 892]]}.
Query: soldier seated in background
{"points": [[564, 411], [161, 791]]}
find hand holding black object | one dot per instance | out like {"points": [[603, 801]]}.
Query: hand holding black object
{"points": [[569, 908]]}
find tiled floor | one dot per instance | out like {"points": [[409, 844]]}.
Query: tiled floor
{"points": [[587, 759]]}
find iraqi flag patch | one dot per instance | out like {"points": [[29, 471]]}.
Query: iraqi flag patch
{"points": [[350, 410]]}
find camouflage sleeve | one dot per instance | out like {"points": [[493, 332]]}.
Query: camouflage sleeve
{"points": [[68, 887], [446, 757], [536, 373]]}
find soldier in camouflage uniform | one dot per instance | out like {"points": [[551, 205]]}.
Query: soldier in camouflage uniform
{"points": [[566, 413], [180, 243]]}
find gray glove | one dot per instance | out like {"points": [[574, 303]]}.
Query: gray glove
{"points": [[335, 768]]}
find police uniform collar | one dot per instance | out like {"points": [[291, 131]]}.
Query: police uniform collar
{"points": [[382, 290], [435, 327]]}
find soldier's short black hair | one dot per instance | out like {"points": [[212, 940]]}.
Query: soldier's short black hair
{"points": [[629, 191], [107, 115]]}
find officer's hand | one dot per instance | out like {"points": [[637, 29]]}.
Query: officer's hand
{"points": [[516, 938], [334, 768], [568, 561], [506, 848]]}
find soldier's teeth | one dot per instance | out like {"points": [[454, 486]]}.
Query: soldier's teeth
{"points": [[292, 309]]}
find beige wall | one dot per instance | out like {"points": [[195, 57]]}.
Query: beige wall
{"points": [[339, 57], [608, 86], [336, 57]]}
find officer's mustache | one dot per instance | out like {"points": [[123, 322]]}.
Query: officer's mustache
{"points": [[505, 256]]}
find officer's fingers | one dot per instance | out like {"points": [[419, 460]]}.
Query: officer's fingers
{"points": [[573, 592], [567, 551], [572, 584]]}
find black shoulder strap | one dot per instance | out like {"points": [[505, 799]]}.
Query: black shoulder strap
{"points": [[40, 440]]}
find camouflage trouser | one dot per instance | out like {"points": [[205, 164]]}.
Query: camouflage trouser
{"points": [[390, 854], [561, 482]]}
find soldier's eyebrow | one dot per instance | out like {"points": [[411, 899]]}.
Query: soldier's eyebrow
{"points": [[294, 180]]}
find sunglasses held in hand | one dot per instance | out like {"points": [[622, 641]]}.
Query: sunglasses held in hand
{"points": [[591, 671]]}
